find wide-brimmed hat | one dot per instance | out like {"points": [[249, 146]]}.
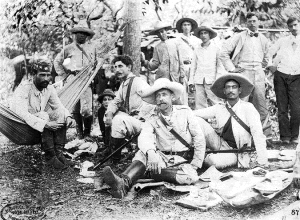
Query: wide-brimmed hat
{"points": [[245, 84], [83, 29], [158, 26], [162, 83], [106, 92], [213, 34], [180, 21]]}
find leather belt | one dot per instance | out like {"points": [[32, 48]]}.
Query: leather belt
{"points": [[183, 154]]}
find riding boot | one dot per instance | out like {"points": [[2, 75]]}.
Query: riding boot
{"points": [[87, 121], [48, 147], [115, 144], [79, 124], [121, 185], [168, 175]]}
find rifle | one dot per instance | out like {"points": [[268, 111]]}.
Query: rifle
{"points": [[237, 151], [113, 153]]}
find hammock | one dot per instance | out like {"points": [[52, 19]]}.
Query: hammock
{"points": [[16, 129]]}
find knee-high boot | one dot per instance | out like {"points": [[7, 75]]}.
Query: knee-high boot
{"points": [[168, 175], [79, 124], [48, 147], [121, 185], [59, 143]]}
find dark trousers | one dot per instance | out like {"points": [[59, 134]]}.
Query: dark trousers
{"points": [[287, 89]]}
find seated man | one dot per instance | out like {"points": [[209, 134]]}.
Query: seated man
{"points": [[30, 100], [125, 113], [159, 148], [104, 98], [231, 134]]}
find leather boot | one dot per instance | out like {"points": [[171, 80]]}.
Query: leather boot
{"points": [[60, 139], [115, 144], [87, 121], [121, 185], [50, 154], [168, 175], [79, 125]]}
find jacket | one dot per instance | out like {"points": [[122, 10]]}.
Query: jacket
{"points": [[235, 45], [167, 61], [30, 104], [156, 136]]}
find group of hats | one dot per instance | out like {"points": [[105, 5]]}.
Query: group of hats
{"points": [[217, 88], [161, 25]]}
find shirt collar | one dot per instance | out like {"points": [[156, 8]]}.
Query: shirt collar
{"points": [[126, 81], [236, 104], [155, 111]]}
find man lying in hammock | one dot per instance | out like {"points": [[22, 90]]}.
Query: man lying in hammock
{"points": [[29, 102]]}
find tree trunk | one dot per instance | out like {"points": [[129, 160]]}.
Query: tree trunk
{"points": [[132, 35]]}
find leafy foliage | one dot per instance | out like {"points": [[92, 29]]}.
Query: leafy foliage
{"points": [[272, 13], [41, 24]]}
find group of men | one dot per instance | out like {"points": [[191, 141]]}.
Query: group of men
{"points": [[172, 138], [199, 62]]}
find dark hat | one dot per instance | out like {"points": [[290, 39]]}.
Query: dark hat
{"points": [[82, 29], [106, 92], [245, 84], [41, 65], [158, 26], [180, 21], [213, 34]]}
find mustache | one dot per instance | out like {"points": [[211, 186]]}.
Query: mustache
{"points": [[230, 93]]}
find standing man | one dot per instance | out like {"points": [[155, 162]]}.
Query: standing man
{"points": [[286, 69], [127, 110], [206, 67], [237, 123], [166, 58], [30, 100], [71, 60], [158, 147], [249, 50], [187, 42]]}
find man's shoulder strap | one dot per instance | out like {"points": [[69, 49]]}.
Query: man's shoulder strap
{"points": [[188, 43], [128, 93], [83, 51], [172, 131], [232, 113]]}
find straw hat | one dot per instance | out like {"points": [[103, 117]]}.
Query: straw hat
{"points": [[213, 34], [245, 84], [106, 92], [180, 21], [158, 26], [162, 83], [82, 29]]}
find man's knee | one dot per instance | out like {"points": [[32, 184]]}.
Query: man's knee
{"points": [[220, 160]]}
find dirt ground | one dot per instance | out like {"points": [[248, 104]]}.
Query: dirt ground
{"points": [[25, 177]]}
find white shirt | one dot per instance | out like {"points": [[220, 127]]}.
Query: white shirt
{"points": [[249, 115], [206, 63], [252, 51], [286, 57], [187, 46], [135, 100]]}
